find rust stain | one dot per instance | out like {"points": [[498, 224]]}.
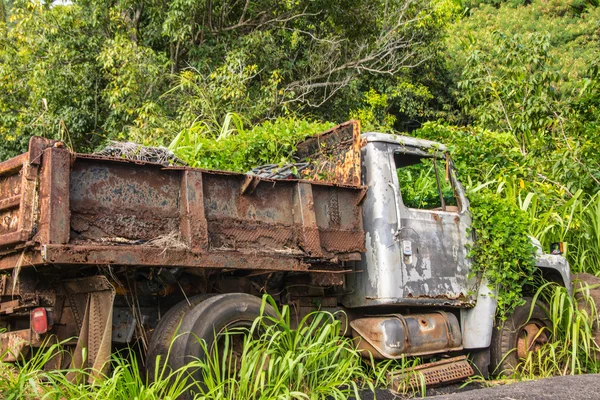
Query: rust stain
{"points": [[90, 210], [393, 336], [14, 344], [334, 155]]}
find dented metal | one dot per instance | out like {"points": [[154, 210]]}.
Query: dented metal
{"points": [[413, 257], [395, 336], [100, 211], [334, 155]]}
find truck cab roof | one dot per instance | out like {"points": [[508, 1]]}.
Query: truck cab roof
{"points": [[403, 141]]}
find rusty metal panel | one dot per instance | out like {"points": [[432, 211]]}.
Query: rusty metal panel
{"points": [[115, 202], [28, 204], [13, 165], [334, 155], [54, 224], [305, 213], [10, 200], [339, 218], [155, 256], [98, 210], [260, 221], [433, 374], [18, 194], [37, 145], [12, 259], [14, 345], [395, 336], [194, 228]]}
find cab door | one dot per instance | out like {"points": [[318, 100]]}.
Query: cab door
{"points": [[433, 227]]}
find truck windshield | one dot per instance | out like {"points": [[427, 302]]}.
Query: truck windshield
{"points": [[425, 183]]}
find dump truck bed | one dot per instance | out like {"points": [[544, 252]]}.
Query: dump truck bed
{"points": [[59, 207]]}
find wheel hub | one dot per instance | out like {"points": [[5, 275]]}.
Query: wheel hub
{"points": [[531, 338]]}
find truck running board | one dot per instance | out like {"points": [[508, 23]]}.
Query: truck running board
{"points": [[434, 374]]}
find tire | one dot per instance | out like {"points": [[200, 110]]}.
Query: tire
{"points": [[512, 339], [166, 330], [579, 282], [208, 320]]}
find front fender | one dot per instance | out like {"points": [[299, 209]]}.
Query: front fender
{"points": [[551, 264]]}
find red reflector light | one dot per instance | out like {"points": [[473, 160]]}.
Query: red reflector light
{"points": [[39, 320]]}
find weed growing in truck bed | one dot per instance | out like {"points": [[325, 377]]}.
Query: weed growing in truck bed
{"points": [[235, 148]]}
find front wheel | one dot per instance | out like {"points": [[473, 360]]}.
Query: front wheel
{"points": [[524, 332]]}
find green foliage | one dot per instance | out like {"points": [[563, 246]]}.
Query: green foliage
{"points": [[93, 70], [133, 75], [311, 361], [531, 71], [47, 77], [511, 88], [556, 211], [3, 12], [234, 148], [572, 35], [479, 155], [398, 106], [277, 361], [24, 379], [502, 250], [571, 349], [419, 185], [575, 221], [374, 115]]}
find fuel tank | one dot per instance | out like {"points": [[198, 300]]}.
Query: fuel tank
{"points": [[393, 336]]}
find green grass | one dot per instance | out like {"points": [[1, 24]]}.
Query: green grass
{"points": [[573, 219], [571, 349], [311, 361]]}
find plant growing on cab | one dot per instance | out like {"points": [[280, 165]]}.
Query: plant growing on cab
{"points": [[502, 251]]}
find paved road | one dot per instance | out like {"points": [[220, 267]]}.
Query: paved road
{"points": [[577, 387], [561, 387]]}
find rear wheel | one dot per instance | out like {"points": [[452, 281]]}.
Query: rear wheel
{"points": [[207, 321], [525, 331], [167, 329], [210, 319]]}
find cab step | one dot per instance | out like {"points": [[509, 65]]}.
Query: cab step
{"points": [[436, 373]]}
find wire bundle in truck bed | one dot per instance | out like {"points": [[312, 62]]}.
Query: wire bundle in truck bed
{"points": [[59, 207]]}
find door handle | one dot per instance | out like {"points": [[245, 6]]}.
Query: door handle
{"points": [[397, 204]]}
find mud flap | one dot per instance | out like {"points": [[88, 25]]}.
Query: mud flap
{"points": [[93, 347]]}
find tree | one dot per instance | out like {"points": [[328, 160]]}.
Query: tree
{"points": [[512, 88], [96, 70]]}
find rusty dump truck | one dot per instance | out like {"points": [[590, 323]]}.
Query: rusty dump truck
{"points": [[111, 252]]}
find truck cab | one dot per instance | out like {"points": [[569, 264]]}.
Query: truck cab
{"points": [[416, 220], [415, 280]]}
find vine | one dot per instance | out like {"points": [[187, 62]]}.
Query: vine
{"points": [[502, 251]]}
